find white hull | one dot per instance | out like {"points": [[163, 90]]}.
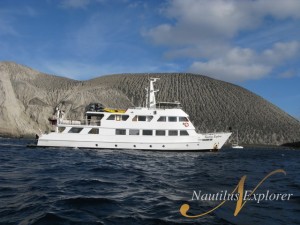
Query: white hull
{"points": [[194, 143]]}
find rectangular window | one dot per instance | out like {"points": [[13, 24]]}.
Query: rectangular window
{"points": [[134, 132], [111, 117], [120, 132], [118, 117], [125, 117], [162, 119], [184, 133], [160, 132], [94, 131], [183, 119], [172, 119], [173, 132], [75, 130], [147, 132], [142, 118]]}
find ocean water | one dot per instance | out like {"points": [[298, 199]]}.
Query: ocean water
{"points": [[81, 186]]}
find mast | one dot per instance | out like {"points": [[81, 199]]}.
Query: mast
{"points": [[151, 94], [147, 97]]}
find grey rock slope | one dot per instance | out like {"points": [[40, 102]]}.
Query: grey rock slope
{"points": [[28, 98]]}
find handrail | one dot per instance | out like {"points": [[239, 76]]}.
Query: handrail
{"points": [[80, 122]]}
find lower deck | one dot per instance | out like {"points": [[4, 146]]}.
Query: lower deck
{"points": [[186, 143]]}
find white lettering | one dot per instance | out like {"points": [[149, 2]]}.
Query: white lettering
{"points": [[197, 196]]}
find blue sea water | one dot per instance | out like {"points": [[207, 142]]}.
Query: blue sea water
{"points": [[81, 186]]}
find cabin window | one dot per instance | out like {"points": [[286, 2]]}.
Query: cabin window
{"points": [[134, 132], [183, 119], [172, 119], [61, 129], [142, 118], [147, 132], [184, 133], [162, 119], [120, 132], [75, 130], [173, 132], [125, 117], [111, 117], [118, 117], [160, 132], [149, 118], [94, 131]]}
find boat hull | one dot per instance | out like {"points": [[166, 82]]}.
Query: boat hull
{"points": [[194, 143]]}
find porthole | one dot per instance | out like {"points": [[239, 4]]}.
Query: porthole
{"points": [[116, 145], [134, 146], [163, 146], [150, 146], [96, 145]]}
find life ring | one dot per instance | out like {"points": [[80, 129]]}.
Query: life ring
{"points": [[186, 124]]}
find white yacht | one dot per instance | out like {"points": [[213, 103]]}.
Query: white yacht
{"points": [[161, 126]]}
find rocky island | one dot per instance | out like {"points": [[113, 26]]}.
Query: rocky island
{"points": [[28, 98]]}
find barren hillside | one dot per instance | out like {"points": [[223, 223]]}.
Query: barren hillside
{"points": [[28, 98]]}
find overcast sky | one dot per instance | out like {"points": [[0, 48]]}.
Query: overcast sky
{"points": [[255, 43]]}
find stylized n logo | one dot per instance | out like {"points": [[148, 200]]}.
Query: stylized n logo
{"points": [[240, 203]]}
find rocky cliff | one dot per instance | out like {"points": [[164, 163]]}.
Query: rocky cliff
{"points": [[28, 98]]}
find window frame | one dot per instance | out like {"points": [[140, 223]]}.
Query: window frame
{"points": [[134, 134], [118, 131], [111, 116], [183, 119], [171, 120], [176, 131], [159, 119], [181, 133], [125, 117], [94, 129], [73, 128], [143, 133], [164, 131]]}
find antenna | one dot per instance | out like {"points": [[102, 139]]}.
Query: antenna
{"points": [[177, 86], [147, 97], [152, 100]]}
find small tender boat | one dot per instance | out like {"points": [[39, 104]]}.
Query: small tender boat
{"points": [[161, 126], [236, 146]]}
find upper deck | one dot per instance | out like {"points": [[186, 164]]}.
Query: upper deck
{"points": [[154, 115]]}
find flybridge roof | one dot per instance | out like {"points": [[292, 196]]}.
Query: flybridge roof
{"points": [[159, 105], [146, 111]]}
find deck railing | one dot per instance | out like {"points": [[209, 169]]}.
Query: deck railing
{"points": [[81, 122]]}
